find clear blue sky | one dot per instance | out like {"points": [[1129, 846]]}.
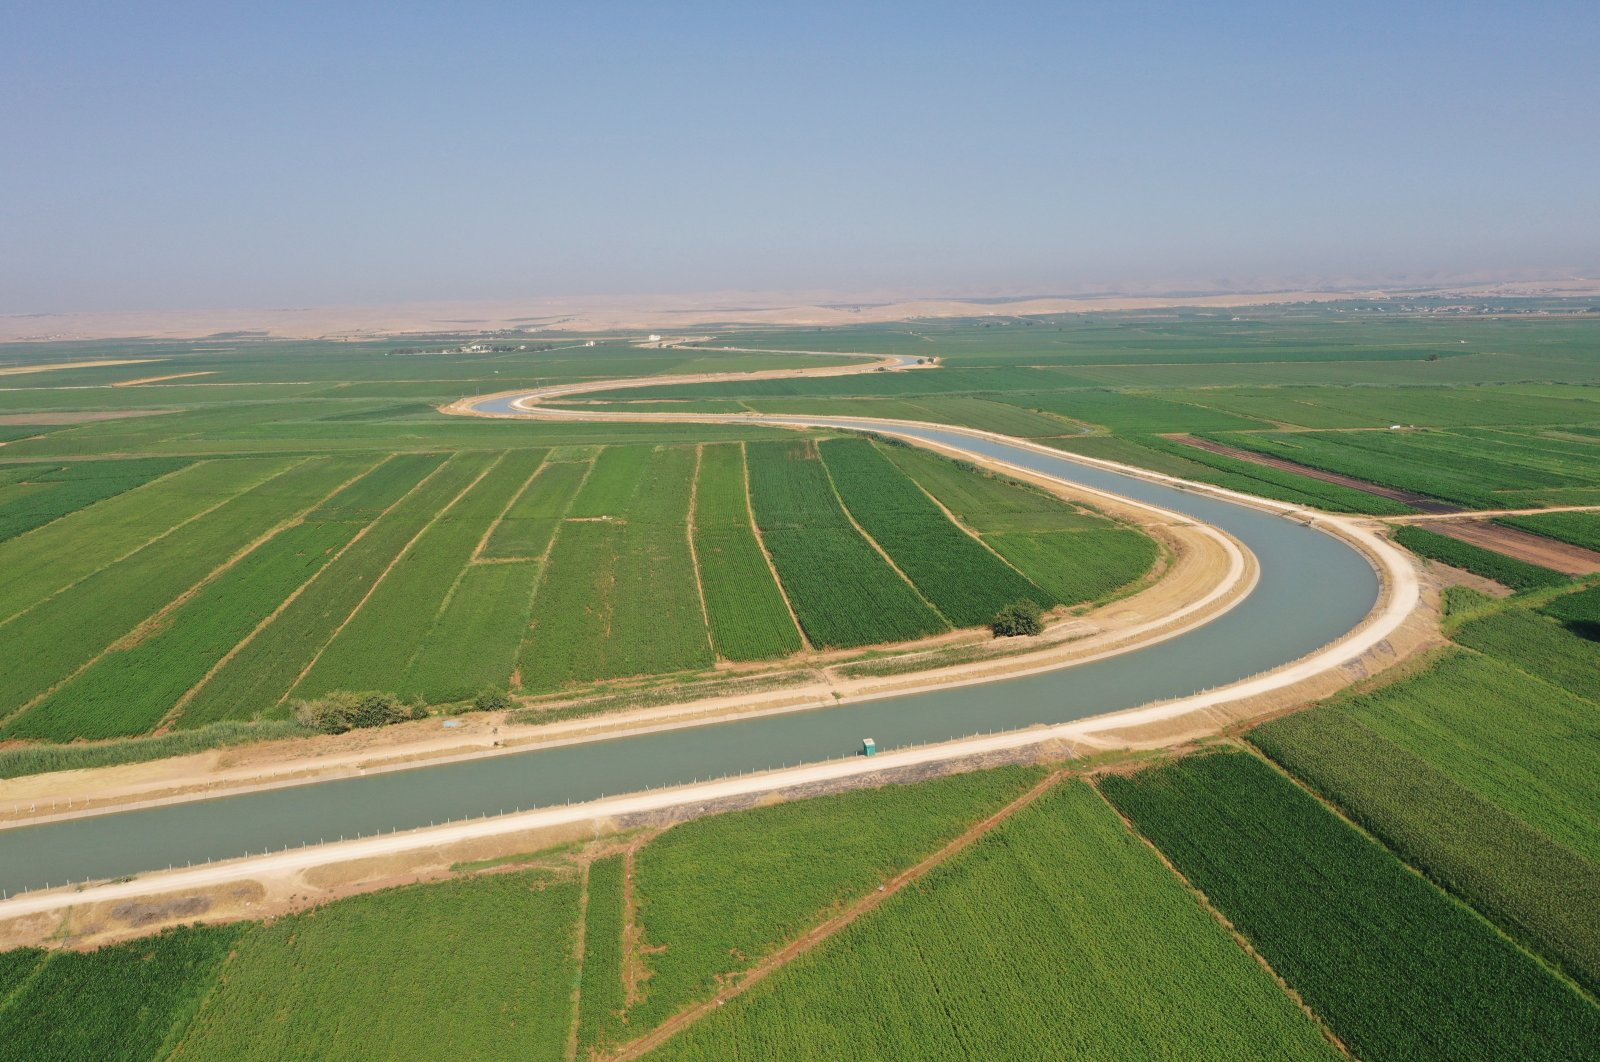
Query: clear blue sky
{"points": [[192, 155]]}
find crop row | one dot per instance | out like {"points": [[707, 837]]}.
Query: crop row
{"points": [[71, 628], [130, 688], [601, 994], [717, 894], [52, 558], [121, 1003], [1479, 470], [50, 492], [989, 503], [261, 673], [374, 648], [843, 592], [1519, 575], [966, 582], [618, 596], [1540, 646], [473, 643], [748, 615], [1579, 529], [1078, 566], [1053, 937], [479, 967], [1395, 967], [1252, 478], [529, 525], [1541, 892]]}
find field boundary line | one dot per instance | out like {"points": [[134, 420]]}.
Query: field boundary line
{"points": [[143, 628], [412, 541], [772, 569], [831, 926], [694, 554], [119, 559], [1221, 919], [848, 515]]}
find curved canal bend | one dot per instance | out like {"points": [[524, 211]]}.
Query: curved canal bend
{"points": [[1313, 589]]}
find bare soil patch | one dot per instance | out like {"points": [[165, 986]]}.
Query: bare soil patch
{"points": [[1522, 545], [83, 416]]}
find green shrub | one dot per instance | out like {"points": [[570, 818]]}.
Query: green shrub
{"points": [[341, 710], [1024, 617], [493, 699]]}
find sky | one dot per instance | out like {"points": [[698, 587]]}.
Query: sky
{"points": [[172, 156]]}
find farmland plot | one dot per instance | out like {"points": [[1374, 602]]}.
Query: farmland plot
{"points": [[1580, 529], [52, 491], [717, 894], [72, 628], [1056, 936], [618, 595], [264, 669], [843, 592], [1540, 646], [51, 558], [966, 582], [473, 643], [123, 1002], [1518, 575], [529, 525], [1394, 966], [477, 968], [749, 618], [1540, 892], [1078, 566], [1515, 740], [374, 649], [601, 996]]}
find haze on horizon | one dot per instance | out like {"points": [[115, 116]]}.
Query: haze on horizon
{"points": [[171, 156]]}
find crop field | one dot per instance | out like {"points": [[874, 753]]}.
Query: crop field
{"points": [[619, 595], [1540, 646], [1508, 571], [374, 648], [749, 617], [1580, 612], [843, 592], [253, 681], [51, 558], [602, 997], [384, 975], [1514, 739], [1478, 469], [1056, 936], [1580, 529], [966, 582], [1395, 967], [71, 629], [34, 495], [124, 1002], [1540, 892], [528, 526], [716, 894]]}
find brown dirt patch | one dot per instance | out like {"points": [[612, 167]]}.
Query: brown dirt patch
{"points": [[1522, 545]]}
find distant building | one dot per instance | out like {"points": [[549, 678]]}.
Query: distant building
{"points": [[654, 338]]}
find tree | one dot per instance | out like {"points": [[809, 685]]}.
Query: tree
{"points": [[1024, 617], [342, 710]]}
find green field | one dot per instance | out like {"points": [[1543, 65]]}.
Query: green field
{"points": [[1396, 967], [1508, 571], [1057, 936]]}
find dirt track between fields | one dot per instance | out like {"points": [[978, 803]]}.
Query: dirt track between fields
{"points": [[1522, 545]]}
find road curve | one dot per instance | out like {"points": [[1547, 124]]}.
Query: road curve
{"points": [[1329, 589]]}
